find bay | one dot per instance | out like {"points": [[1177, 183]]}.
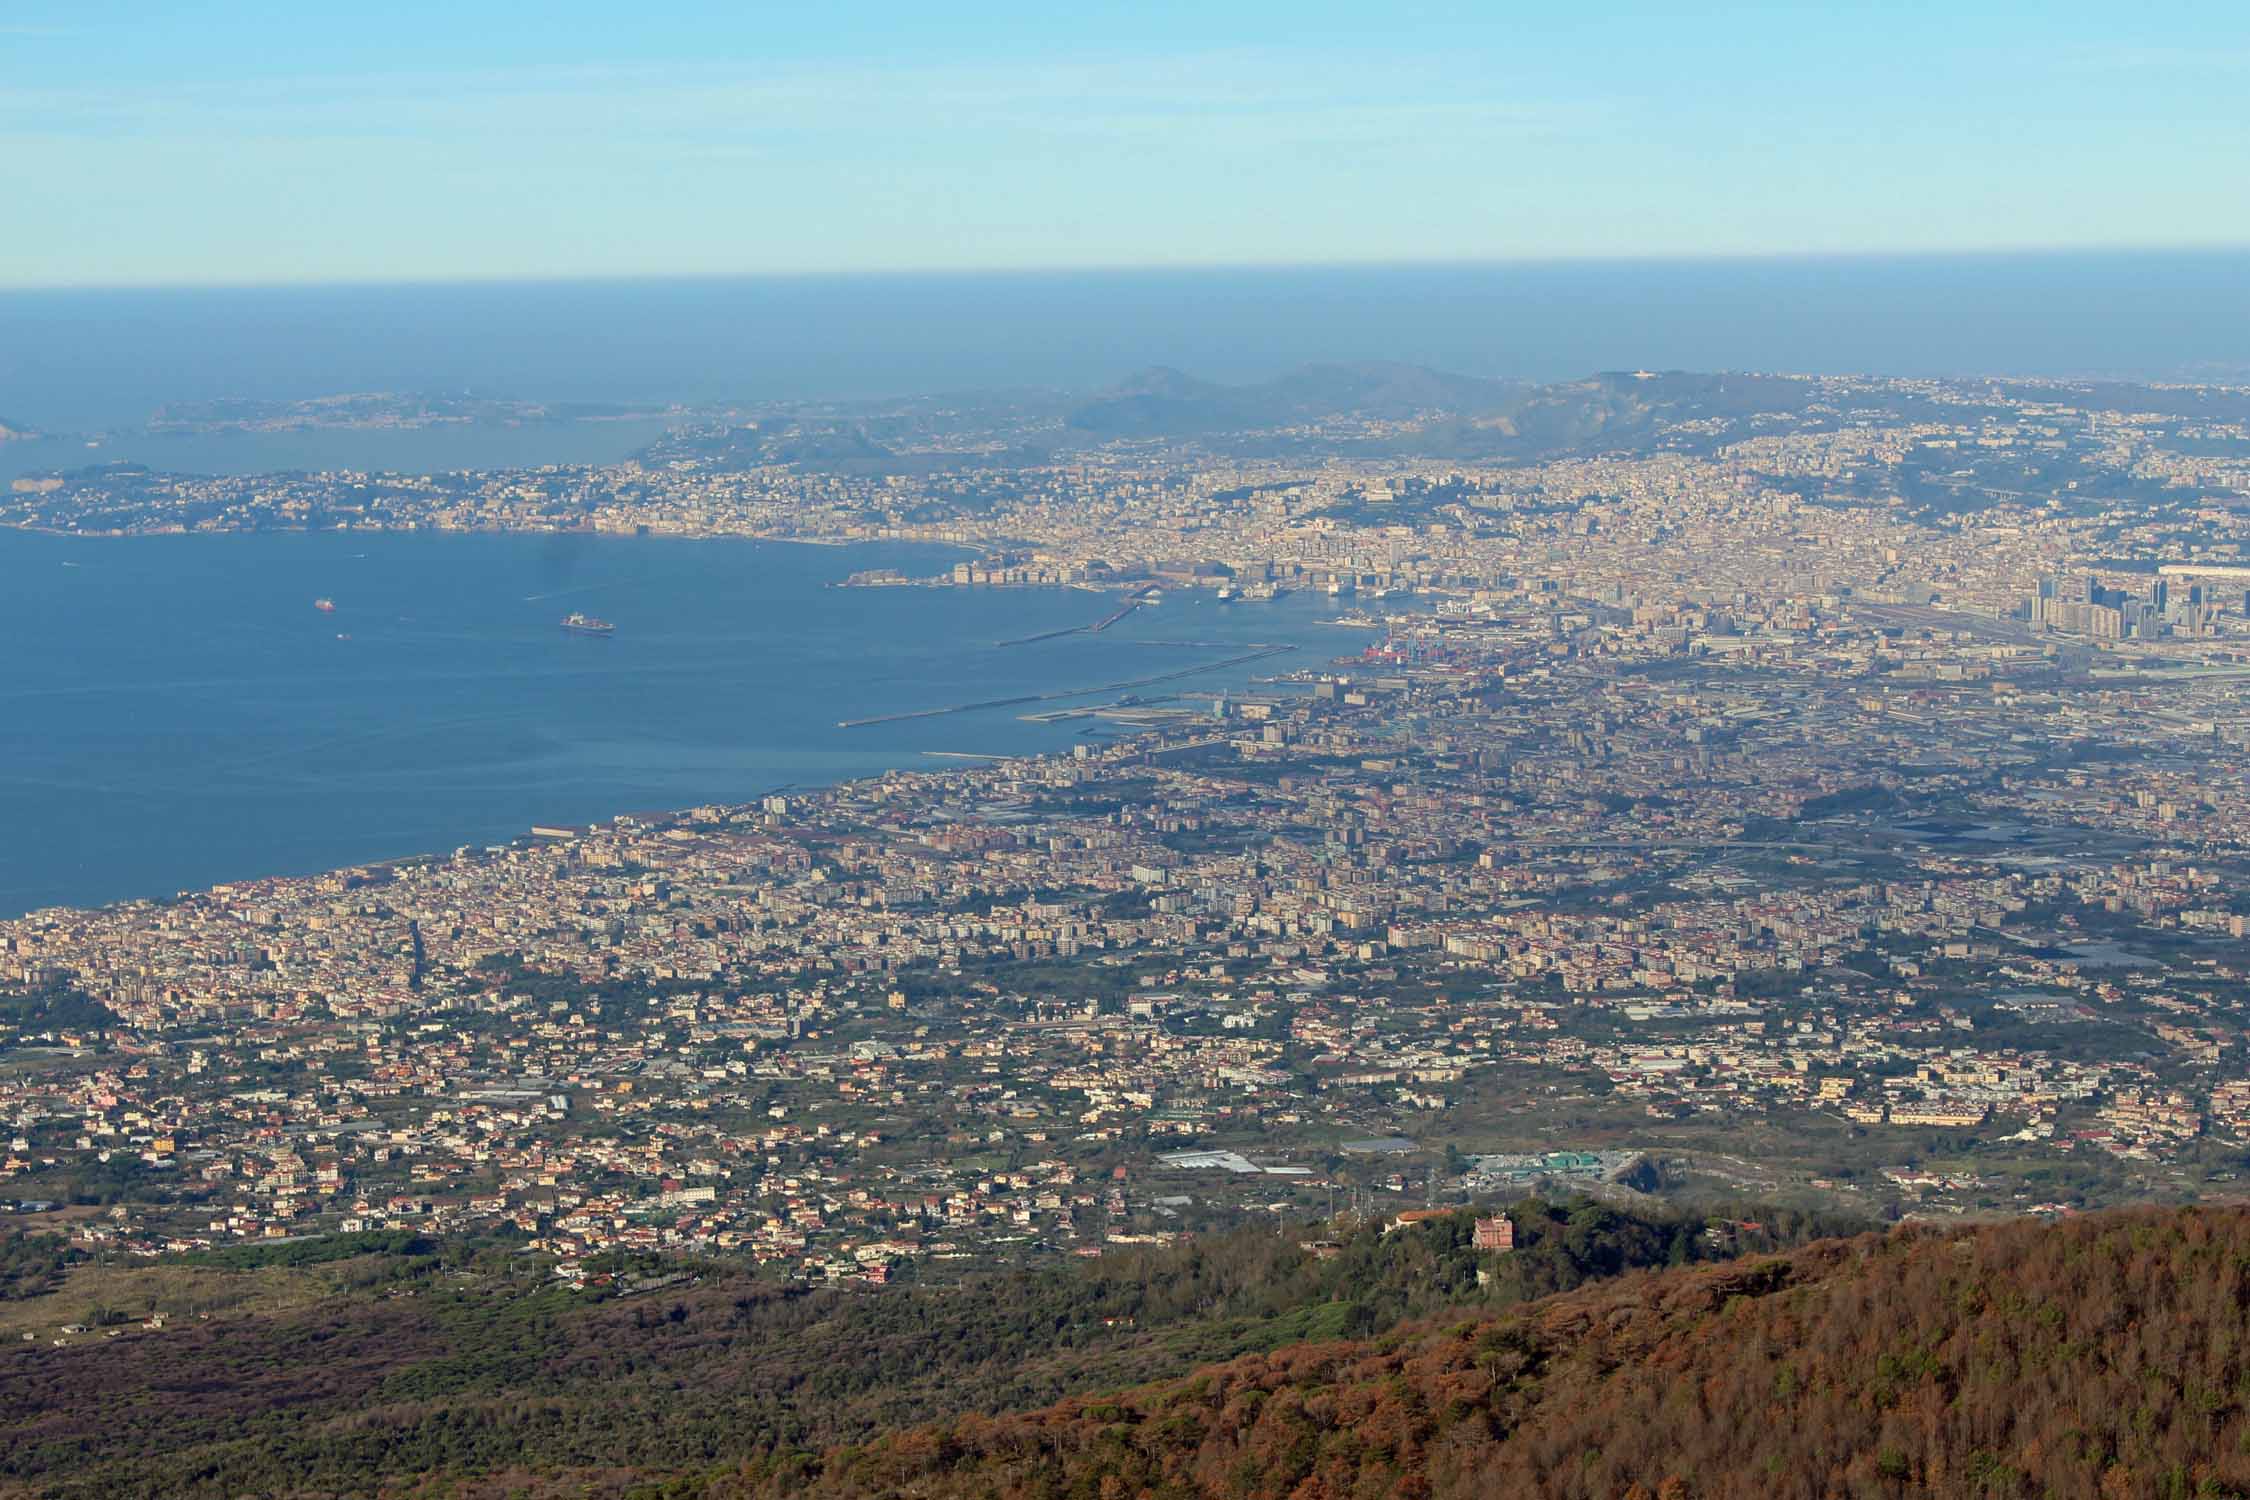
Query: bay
{"points": [[174, 712]]}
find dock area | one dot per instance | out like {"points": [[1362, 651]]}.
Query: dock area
{"points": [[1085, 692], [1096, 628]]}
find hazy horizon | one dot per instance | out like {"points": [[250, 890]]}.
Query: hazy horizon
{"points": [[104, 359]]}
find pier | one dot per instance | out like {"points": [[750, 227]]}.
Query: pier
{"points": [[1044, 635], [1096, 628], [1113, 617], [1107, 687]]}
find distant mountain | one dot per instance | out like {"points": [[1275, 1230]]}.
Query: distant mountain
{"points": [[1628, 409], [1163, 402], [873, 446], [1163, 383], [1393, 390], [1445, 415], [2101, 1357], [829, 448], [825, 447]]}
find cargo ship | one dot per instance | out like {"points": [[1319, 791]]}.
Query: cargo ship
{"points": [[325, 606], [578, 624]]}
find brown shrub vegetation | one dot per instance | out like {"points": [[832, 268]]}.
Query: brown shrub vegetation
{"points": [[2100, 1357]]}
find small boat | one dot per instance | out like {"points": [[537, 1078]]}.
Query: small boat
{"points": [[325, 606]]}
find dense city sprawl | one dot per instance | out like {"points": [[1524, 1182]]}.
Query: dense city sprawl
{"points": [[1837, 792]]}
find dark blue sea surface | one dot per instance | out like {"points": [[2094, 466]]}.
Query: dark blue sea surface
{"points": [[174, 712], [100, 359]]}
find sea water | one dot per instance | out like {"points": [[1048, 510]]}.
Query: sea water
{"points": [[175, 712]]}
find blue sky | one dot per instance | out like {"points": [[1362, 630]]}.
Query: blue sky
{"points": [[189, 142]]}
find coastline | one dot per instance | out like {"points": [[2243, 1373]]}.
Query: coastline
{"points": [[188, 801], [966, 765], [654, 820]]}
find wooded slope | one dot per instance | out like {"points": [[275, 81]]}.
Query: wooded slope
{"points": [[2103, 1357]]}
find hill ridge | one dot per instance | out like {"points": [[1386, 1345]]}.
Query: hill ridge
{"points": [[2097, 1357]]}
